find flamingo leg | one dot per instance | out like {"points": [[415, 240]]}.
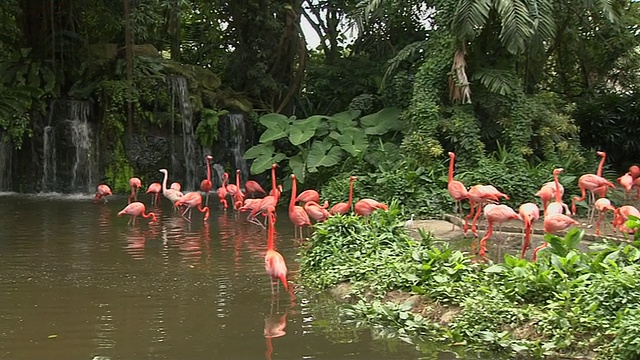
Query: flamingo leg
{"points": [[598, 223], [472, 207], [474, 228], [535, 251]]}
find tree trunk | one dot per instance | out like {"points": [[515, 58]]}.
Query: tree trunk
{"points": [[129, 64], [174, 30]]}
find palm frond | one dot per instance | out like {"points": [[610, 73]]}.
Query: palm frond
{"points": [[470, 16], [503, 82], [409, 53], [541, 12], [517, 25]]}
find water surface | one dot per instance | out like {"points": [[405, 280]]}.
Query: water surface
{"points": [[78, 282]]}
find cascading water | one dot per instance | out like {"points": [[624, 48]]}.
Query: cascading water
{"points": [[6, 152], [49, 154], [180, 92], [82, 171], [234, 141]]}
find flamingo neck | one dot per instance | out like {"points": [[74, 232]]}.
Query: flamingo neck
{"points": [[557, 182], [225, 178], [601, 165], [294, 189], [276, 194], [164, 182], [208, 169], [238, 180], [350, 194], [149, 214], [451, 169], [271, 232]]}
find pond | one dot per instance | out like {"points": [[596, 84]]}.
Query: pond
{"points": [[78, 282]]}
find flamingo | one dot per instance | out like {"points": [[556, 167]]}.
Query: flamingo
{"points": [[552, 224], [298, 216], [172, 194], [102, 192], [558, 194], [206, 184], [274, 326], [602, 205], [192, 200], [277, 191], [308, 195], [176, 186], [626, 181], [529, 213], [316, 211], [495, 214], [270, 200], [136, 209], [546, 194], [252, 187], [364, 207], [343, 208], [456, 188], [621, 215], [238, 196], [274, 263], [589, 182], [635, 171], [134, 184], [479, 195], [155, 189], [603, 155], [222, 191]]}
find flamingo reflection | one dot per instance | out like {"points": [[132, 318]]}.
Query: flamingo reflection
{"points": [[275, 323]]}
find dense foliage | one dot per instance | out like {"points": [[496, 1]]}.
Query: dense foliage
{"points": [[568, 302]]}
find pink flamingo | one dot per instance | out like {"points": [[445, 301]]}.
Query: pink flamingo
{"points": [[222, 191], [274, 263], [238, 196], [621, 215], [316, 211], [635, 171], [343, 208], [529, 213], [252, 188], [602, 205], [263, 204], [552, 224], [134, 184], [479, 195], [102, 192], [176, 186], [192, 200], [136, 209], [589, 182], [456, 188], [206, 184], [626, 181], [603, 155], [558, 194], [155, 189], [172, 194], [495, 214], [298, 216], [364, 207]]}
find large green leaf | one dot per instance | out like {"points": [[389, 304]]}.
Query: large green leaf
{"points": [[272, 134], [259, 150], [344, 119], [381, 122], [470, 17], [517, 25], [323, 154], [297, 165], [303, 130], [353, 140], [274, 120], [263, 162]]}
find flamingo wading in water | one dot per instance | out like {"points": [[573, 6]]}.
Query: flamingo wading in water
{"points": [[135, 184], [274, 263], [136, 209]]}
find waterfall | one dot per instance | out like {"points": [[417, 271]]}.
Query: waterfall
{"points": [[179, 90], [6, 152], [235, 141], [49, 154], [82, 170]]}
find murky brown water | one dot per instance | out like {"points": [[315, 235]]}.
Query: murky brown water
{"points": [[77, 282]]}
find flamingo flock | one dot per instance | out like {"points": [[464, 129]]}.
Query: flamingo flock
{"points": [[252, 198], [557, 215]]}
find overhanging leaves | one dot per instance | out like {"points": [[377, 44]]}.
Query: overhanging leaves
{"points": [[381, 122]]}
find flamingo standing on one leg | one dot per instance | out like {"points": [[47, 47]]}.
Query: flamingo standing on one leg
{"points": [[529, 212], [136, 209], [135, 184], [298, 216], [552, 224], [192, 200], [155, 189], [102, 192], [274, 263], [456, 188], [342, 207], [206, 184], [602, 205], [495, 214]]}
